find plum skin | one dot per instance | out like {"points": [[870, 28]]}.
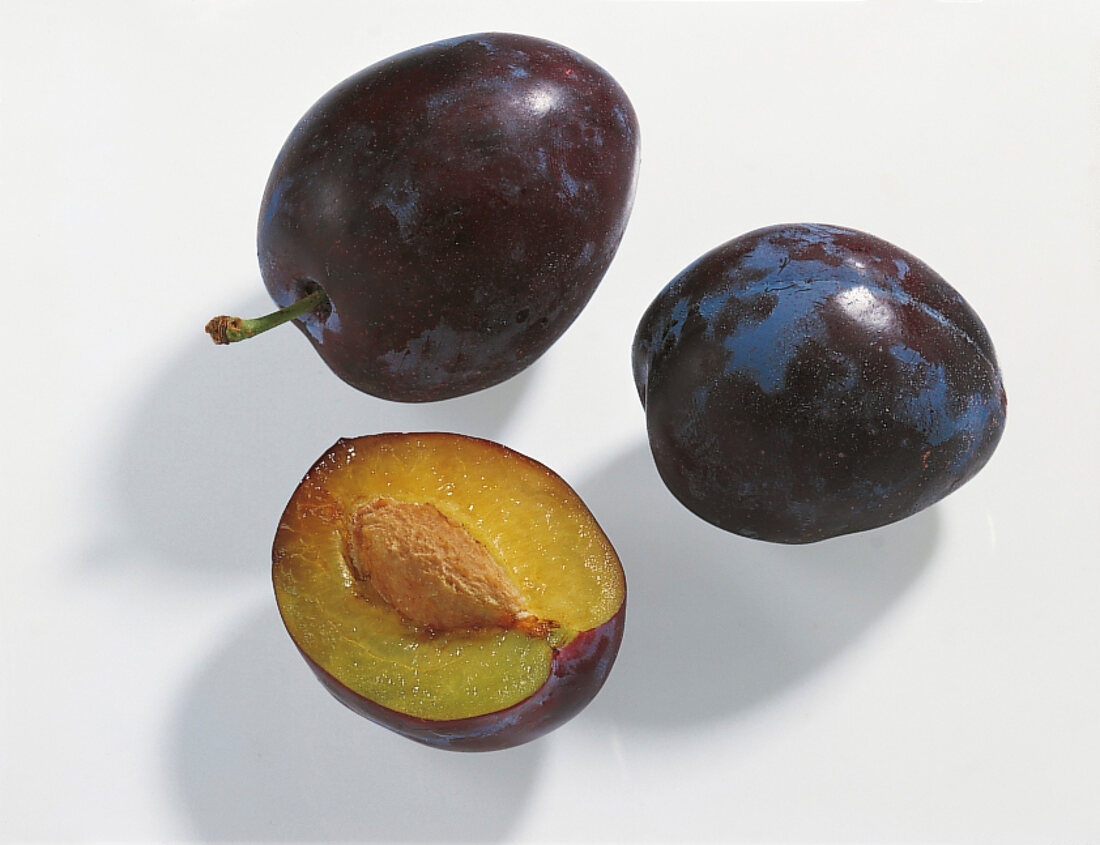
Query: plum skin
{"points": [[577, 673], [459, 203], [805, 381]]}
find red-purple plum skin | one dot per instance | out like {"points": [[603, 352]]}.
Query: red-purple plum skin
{"points": [[459, 203]]}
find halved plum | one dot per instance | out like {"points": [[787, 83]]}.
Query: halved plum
{"points": [[448, 588]]}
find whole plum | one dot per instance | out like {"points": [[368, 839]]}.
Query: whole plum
{"points": [[806, 381], [435, 222]]}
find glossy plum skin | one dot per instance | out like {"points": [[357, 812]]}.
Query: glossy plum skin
{"points": [[577, 673], [806, 381], [459, 203]]}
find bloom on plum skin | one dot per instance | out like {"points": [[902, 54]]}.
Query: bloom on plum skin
{"points": [[806, 381]]}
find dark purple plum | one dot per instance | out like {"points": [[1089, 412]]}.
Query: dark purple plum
{"points": [[458, 204], [806, 381]]}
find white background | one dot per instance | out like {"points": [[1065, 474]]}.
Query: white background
{"points": [[938, 680]]}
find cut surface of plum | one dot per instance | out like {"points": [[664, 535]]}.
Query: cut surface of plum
{"points": [[441, 578]]}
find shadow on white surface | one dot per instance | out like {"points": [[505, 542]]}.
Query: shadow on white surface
{"points": [[218, 442], [261, 752], [717, 623]]}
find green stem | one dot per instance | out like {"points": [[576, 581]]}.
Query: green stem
{"points": [[231, 329]]}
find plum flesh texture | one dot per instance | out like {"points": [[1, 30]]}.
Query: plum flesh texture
{"points": [[476, 689], [577, 673], [806, 381], [459, 203]]}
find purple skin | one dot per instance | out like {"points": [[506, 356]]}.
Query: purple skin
{"points": [[806, 381], [577, 673], [459, 203]]}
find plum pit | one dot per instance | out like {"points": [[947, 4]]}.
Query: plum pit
{"points": [[432, 571]]}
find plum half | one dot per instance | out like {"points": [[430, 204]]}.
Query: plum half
{"points": [[435, 222], [806, 381], [448, 588]]}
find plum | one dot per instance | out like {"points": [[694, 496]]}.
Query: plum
{"points": [[806, 381], [448, 588], [435, 222]]}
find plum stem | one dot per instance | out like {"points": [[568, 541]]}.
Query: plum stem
{"points": [[231, 329]]}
